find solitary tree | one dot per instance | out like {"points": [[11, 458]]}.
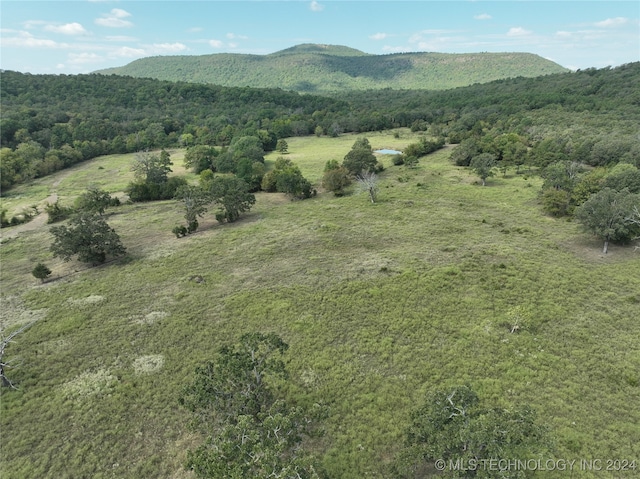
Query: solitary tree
{"points": [[282, 146], [483, 165], [368, 182], [232, 196], [195, 201], [606, 214], [95, 200], [361, 158], [41, 271], [88, 237], [336, 180], [152, 167], [452, 425], [5, 340], [249, 431]]}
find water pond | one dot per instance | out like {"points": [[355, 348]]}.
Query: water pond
{"points": [[388, 152]]}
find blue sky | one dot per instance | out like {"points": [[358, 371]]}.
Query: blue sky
{"points": [[80, 36]]}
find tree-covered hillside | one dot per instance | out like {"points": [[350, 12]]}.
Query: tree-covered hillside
{"points": [[321, 68], [50, 122]]}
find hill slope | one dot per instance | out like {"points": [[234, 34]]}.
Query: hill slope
{"points": [[325, 68]]}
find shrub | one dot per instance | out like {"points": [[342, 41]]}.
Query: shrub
{"points": [[146, 191], [336, 180], [397, 160], [41, 271], [179, 231], [556, 202], [56, 212]]}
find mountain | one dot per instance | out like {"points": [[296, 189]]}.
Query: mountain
{"points": [[330, 68]]}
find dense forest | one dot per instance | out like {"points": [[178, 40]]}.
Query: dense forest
{"points": [[312, 68], [50, 122]]}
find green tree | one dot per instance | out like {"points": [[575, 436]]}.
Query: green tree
{"points": [[252, 172], [287, 178], [249, 431], [282, 146], [336, 180], [232, 196], [56, 212], [200, 157], [622, 176], [291, 182], [195, 201], [246, 147], [556, 202], [361, 158], [453, 425], [152, 167], [588, 184], [88, 237], [465, 151], [483, 165], [562, 175], [41, 272], [95, 200], [605, 215]]}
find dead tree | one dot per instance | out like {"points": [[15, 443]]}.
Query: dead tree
{"points": [[368, 181], [4, 342]]}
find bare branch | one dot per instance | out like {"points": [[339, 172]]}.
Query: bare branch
{"points": [[368, 181], [4, 342]]}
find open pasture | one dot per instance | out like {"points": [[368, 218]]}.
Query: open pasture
{"points": [[379, 303]]}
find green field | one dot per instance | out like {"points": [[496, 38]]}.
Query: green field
{"points": [[380, 304]]}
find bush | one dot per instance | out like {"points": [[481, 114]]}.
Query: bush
{"points": [[397, 160], [146, 191], [179, 231], [336, 180], [411, 161], [57, 213], [556, 202], [41, 271], [287, 178]]}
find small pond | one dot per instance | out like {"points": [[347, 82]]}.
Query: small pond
{"points": [[388, 152]]}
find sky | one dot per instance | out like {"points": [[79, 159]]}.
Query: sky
{"points": [[81, 36]]}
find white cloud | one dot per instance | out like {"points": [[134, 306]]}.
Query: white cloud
{"points": [[612, 22], [216, 43], [127, 52], [26, 39], [195, 29], [30, 24], [518, 32], [378, 36], [233, 36], [67, 29], [120, 38], [563, 34], [483, 16], [84, 58], [114, 19], [316, 7]]}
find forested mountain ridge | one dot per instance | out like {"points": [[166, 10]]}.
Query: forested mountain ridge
{"points": [[326, 68]]}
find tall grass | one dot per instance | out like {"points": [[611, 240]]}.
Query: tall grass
{"points": [[380, 304]]}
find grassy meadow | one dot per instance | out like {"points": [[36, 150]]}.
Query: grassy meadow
{"points": [[380, 303]]}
